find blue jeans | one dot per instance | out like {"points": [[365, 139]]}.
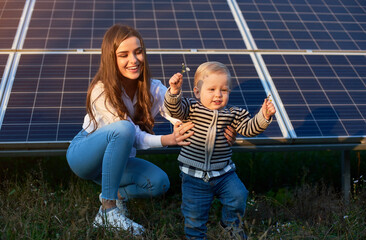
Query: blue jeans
{"points": [[103, 157], [197, 196]]}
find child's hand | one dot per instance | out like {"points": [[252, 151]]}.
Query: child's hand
{"points": [[175, 83], [268, 109]]}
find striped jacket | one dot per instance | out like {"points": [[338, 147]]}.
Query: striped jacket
{"points": [[209, 149]]}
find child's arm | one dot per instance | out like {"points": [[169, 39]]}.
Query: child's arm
{"points": [[251, 127], [175, 83], [175, 105]]}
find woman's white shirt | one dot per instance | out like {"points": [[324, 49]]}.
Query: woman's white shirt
{"points": [[105, 114]]}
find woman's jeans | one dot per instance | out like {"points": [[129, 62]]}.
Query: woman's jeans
{"points": [[197, 197], [103, 156]]}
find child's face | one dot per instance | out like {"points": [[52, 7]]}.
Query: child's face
{"points": [[213, 91]]}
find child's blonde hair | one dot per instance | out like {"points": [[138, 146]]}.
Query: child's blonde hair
{"points": [[208, 68]]}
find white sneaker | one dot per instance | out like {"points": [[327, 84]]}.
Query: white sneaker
{"points": [[120, 204], [116, 219]]}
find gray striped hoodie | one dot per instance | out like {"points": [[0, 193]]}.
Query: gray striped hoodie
{"points": [[209, 149]]}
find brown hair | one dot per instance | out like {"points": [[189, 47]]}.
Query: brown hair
{"points": [[208, 68], [109, 74]]}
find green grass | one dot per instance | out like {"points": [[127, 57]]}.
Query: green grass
{"points": [[293, 195]]}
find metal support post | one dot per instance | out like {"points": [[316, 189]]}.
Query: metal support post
{"points": [[346, 175]]}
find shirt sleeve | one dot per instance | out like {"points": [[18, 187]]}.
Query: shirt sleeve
{"points": [[247, 126], [159, 93], [103, 111], [144, 140], [176, 105], [106, 114]]}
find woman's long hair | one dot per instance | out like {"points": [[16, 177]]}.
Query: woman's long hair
{"points": [[112, 79]]}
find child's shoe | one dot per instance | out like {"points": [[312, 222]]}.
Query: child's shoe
{"points": [[235, 233]]}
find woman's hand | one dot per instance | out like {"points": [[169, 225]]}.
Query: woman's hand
{"points": [[179, 135], [180, 132], [230, 135]]}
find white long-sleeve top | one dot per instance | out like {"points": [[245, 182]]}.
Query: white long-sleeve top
{"points": [[105, 114]]}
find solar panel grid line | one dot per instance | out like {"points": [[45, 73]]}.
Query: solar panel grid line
{"points": [[55, 127], [6, 84], [5, 65], [242, 25], [224, 33], [339, 104], [347, 92], [176, 23], [23, 24], [156, 29], [72, 18], [270, 88], [216, 22], [196, 23], [11, 15], [310, 111], [20, 26], [311, 34], [305, 20], [344, 30], [266, 24]]}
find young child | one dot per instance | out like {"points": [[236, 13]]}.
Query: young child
{"points": [[206, 166]]}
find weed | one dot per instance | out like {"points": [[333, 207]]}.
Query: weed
{"points": [[45, 200]]}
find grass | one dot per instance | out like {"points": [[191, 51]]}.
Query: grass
{"points": [[293, 196]]}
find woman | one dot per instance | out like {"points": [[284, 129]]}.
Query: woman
{"points": [[122, 101]]}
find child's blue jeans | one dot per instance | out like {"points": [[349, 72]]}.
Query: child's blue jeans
{"points": [[103, 156], [197, 197]]}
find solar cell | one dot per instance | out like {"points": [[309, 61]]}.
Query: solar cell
{"points": [[328, 100], [47, 102], [163, 24], [10, 14], [3, 60], [320, 25]]}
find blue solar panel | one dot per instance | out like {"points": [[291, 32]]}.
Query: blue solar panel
{"points": [[163, 24], [323, 95], [47, 102], [3, 74], [3, 60], [323, 25], [10, 14]]}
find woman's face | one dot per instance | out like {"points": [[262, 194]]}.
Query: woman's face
{"points": [[130, 58]]}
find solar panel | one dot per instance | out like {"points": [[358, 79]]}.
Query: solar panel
{"points": [[4, 67], [10, 13], [319, 94], [312, 24], [47, 102], [163, 24], [3, 60], [324, 95]]}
